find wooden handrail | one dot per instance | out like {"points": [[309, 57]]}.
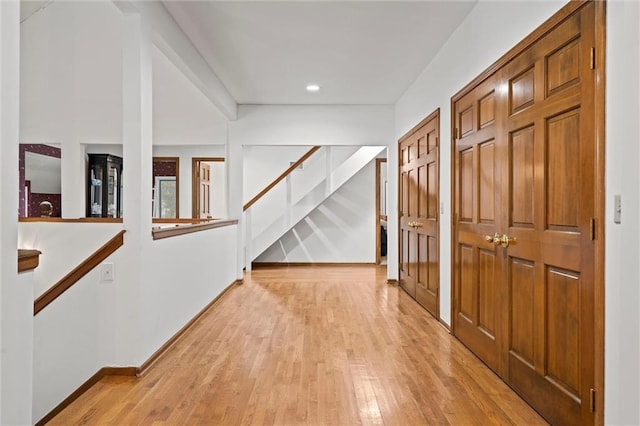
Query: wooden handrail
{"points": [[173, 231], [282, 176], [78, 272], [182, 220]]}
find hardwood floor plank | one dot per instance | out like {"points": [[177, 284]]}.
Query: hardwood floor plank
{"points": [[315, 346]]}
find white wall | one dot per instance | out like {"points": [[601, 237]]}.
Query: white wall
{"points": [[622, 250], [262, 164], [471, 49], [183, 115], [312, 125], [50, 237], [341, 229], [71, 73]]}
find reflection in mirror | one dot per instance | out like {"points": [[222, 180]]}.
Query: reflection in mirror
{"points": [[166, 187], [40, 180], [208, 188]]}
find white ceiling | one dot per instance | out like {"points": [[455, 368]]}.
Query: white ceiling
{"points": [[359, 52]]}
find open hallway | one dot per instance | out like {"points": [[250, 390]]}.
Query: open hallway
{"points": [[303, 345]]}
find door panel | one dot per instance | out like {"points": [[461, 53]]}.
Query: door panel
{"points": [[477, 294], [522, 173], [487, 182], [486, 292], [563, 172], [560, 136], [466, 186], [524, 163], [419, 272]]}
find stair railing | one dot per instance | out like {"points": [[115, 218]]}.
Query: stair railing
{"points": [[247, 207]]}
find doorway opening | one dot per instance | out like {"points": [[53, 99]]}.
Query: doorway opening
{"points": [[208, 193], [381, 211]]}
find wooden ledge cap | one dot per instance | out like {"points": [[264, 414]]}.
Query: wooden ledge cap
{"points": [[28, 259]]}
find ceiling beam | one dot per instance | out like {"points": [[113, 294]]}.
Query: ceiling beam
{"points": [[174, 43]]}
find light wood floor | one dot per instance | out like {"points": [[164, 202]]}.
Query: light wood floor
{"points": [[328, 345]]}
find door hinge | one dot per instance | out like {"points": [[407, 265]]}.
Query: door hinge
{"points": [[592, 229], [593, 58], [592, 400]]}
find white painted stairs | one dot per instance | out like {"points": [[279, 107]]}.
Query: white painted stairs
{"points": [[259, 237]]}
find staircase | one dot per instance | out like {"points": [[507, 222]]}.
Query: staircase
{"points": [[292, 199]]}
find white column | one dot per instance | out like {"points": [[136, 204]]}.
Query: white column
{"points": [[73, 178], [16, 295], [392, 211], [136, 179], [287, 212], [248, 239], [234, 161]]}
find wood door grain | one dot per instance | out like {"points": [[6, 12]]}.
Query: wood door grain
{"points": [[525, 169], [550, 192], [419, 210], [477, 281]]}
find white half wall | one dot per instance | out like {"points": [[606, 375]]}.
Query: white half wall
{"points": [[86, 328], [340, 230], [183, 275], [76, 335]]}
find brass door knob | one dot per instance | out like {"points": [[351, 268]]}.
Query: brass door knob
{"points": [[505, 240], [494, 239], [417, 224]]}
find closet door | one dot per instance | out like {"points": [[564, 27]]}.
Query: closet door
{"points": [[478, 282], [419, 207], [524, 194], [409, 195], [427, 284], [549, 198]]}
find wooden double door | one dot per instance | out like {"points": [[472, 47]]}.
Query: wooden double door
{"points": [[524, 219], [419, 262]]}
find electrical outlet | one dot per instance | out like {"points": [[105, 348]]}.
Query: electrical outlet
{"points": [[106, 272]]}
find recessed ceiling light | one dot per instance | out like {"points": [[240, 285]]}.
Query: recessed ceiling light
{"points": [[313, 88]]}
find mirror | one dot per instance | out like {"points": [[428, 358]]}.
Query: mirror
{"points": [[166, 187], [40, 180]]}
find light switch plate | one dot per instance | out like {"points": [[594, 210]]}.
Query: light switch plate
{"points": [[617, 209], [106, 272]]}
